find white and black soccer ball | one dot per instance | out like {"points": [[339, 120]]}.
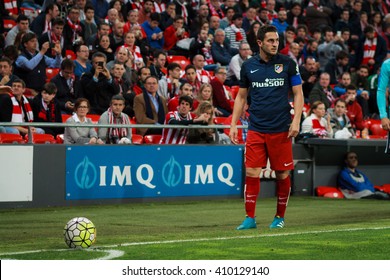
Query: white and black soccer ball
{"points": [[79, 232]]}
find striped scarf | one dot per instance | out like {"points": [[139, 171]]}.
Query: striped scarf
{"points": [[184, 12], [116, 132], [369, 49], [11, 6], [19, 111]]}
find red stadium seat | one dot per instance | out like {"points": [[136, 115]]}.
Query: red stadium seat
{"points": [[152, 139], [219, 120], [137, 139], [8, 24], [51, 73], [376, 128], [60, 138], [133, 121], [65, 117], [234, 90], [384, 188], [94, 118], [70, 54], [41, 138], [9, 138], [328, 191], [181, 60]]}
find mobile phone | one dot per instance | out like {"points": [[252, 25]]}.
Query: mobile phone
{"points": [[52, 45], [100, 63], [338, 33]]}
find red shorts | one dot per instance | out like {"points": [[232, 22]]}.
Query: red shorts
{"points": [[275, 146]]}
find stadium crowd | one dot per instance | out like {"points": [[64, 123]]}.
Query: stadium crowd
{"points": [[54, 52]]}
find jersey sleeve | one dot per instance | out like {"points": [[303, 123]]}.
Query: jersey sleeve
{"points": [[383, 83], [244, 81], [293, 73]]}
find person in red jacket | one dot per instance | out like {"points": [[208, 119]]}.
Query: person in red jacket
{"points": [[174, 33], [220, 94], [354, 110]]}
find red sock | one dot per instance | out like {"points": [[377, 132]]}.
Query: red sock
{"points": [[252, 189], [283, 192]]}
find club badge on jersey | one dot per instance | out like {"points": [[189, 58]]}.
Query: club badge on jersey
{"points": [[278, 68]]}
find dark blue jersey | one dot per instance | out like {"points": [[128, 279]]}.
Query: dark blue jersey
{"points": [[268, 85]]}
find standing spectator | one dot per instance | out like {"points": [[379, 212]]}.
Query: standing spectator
{"points": [[115, 115], [79, 134], [181, 116], [46, 109], [90, 26], [270, 127], [322, 91], [64, 82], [220, 49], [97, 85], [220, 94], [150, 108], [235, 33], [42, 23], [31, 65], [315, 123], [22, 24], [233, 74], [309, 73]]}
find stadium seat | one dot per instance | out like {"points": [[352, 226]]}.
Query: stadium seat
{"points": [[51, 73], [94, 118], [8, 24], [231, 104], [41, 138], [376, 129], [137, 139], [70, 54], [234, 90], [152, 139], [29, 93], [384, 188], [60, 139], [133, 121], [181, 60], [219, 120], [65, 117], [329, 191], [10, 138]]}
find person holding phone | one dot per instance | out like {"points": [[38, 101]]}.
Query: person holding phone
{"points": [[97, 86]]}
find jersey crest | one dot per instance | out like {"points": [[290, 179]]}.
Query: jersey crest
{"points": [[278, 68]]}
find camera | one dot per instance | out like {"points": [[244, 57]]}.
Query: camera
{"points": [[100, 63]]}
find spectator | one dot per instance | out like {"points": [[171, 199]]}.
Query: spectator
{"points": [[6, 73], [233, 74], [93, 41], [360, 80], [203, 76], [123, 88], [145, 12], [79, 134], [31, 65], [122, 56], [235, 33], [82, 64], [339, 121], [355, 184], [46, 109], [114, 115], [73, 29], [142, 74], [328, 49], [104, 47], [317, 16], [315, 123], [220, 49], [227, 19], [21, 110], [220, 94], [42, 23], [203, 135], [286, 38], [205, 95], [97, 85], [135, 58], [65, 91], [335, 67], [169, 86], [22, 24], [153, 32], [90, 27], [354, 110], [202, 16], [53, 36], [150, 108], [309, 74], [280, 21], [101, 8], [249, 18], [173, 34], [191, 78], [81, 4], [118, 5], [310, 49], [262, 16], [343, 21], [252, 37], [159, 60], [167, 16], [185, 89], [181, 116], [295, 16], [322, 91]]}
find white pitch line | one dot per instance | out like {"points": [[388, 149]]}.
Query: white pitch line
{"points": [[117, 253]]}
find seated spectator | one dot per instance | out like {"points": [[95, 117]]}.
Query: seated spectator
{"points": [[42, 23], [97, 86], [199, 62], [203, 135], [181, 116], [53, 36], [220, 49], [6, 75], [150, 108], [104, 47], [354, 184], [159, 60], [123, 56], [335, 67], [191, 78], [73, 29], [315, 124], [115, 115], [318, 16], [206, 95], [295, 15], [142, 74], [21, 110], [46, 109], [235, 33], [339, 121], [328, 49], [82, 64], [31, 65], [6, 108], [22, 24], [322, 91], [309, 74], [220, 94], [185, 89], [252, 37], [64, 82], [123, 88], [93, 41], [173, 34], [233, 74], [169, 86], [78, 134], [280, 21], [153, 32], [116, 36], [135, 57]]}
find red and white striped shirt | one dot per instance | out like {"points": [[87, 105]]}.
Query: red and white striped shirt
{"points": [[175, 135]]}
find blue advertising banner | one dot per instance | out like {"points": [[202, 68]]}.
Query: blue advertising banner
{"points": [[99, 172]]}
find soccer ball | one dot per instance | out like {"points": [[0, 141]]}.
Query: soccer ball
{"points": [[79, 232]]}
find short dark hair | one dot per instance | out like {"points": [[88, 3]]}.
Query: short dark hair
{"points": [[28, 36], [67, 64], [88, 7], [58, 21], [139, 72], [351, 87], [21, 17], [155, 16], [173, 65], [99, 54], [341, 55], [6, 59], [118, 97], [265, 29], [77, 103], [19, 81], [50, 88], [186, 98], [189, 66]]}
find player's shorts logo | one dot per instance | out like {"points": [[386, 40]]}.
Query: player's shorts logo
{"points": [[278, 68]]}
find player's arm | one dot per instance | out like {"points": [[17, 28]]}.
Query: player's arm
{"points": [[381, 95], [298, 107], [239, 104]]}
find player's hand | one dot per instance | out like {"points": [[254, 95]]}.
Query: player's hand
{"points": [[385, 124], [233, 134], [294, 130]]}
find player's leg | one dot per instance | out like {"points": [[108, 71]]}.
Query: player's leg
{"points": [[254, 160], [281, 158]]}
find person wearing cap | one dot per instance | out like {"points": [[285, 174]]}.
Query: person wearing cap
{"points": [[235, 33]]}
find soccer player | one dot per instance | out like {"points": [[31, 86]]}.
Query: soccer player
{"points": [[182, 116], [266, 80], [384, 83]]}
